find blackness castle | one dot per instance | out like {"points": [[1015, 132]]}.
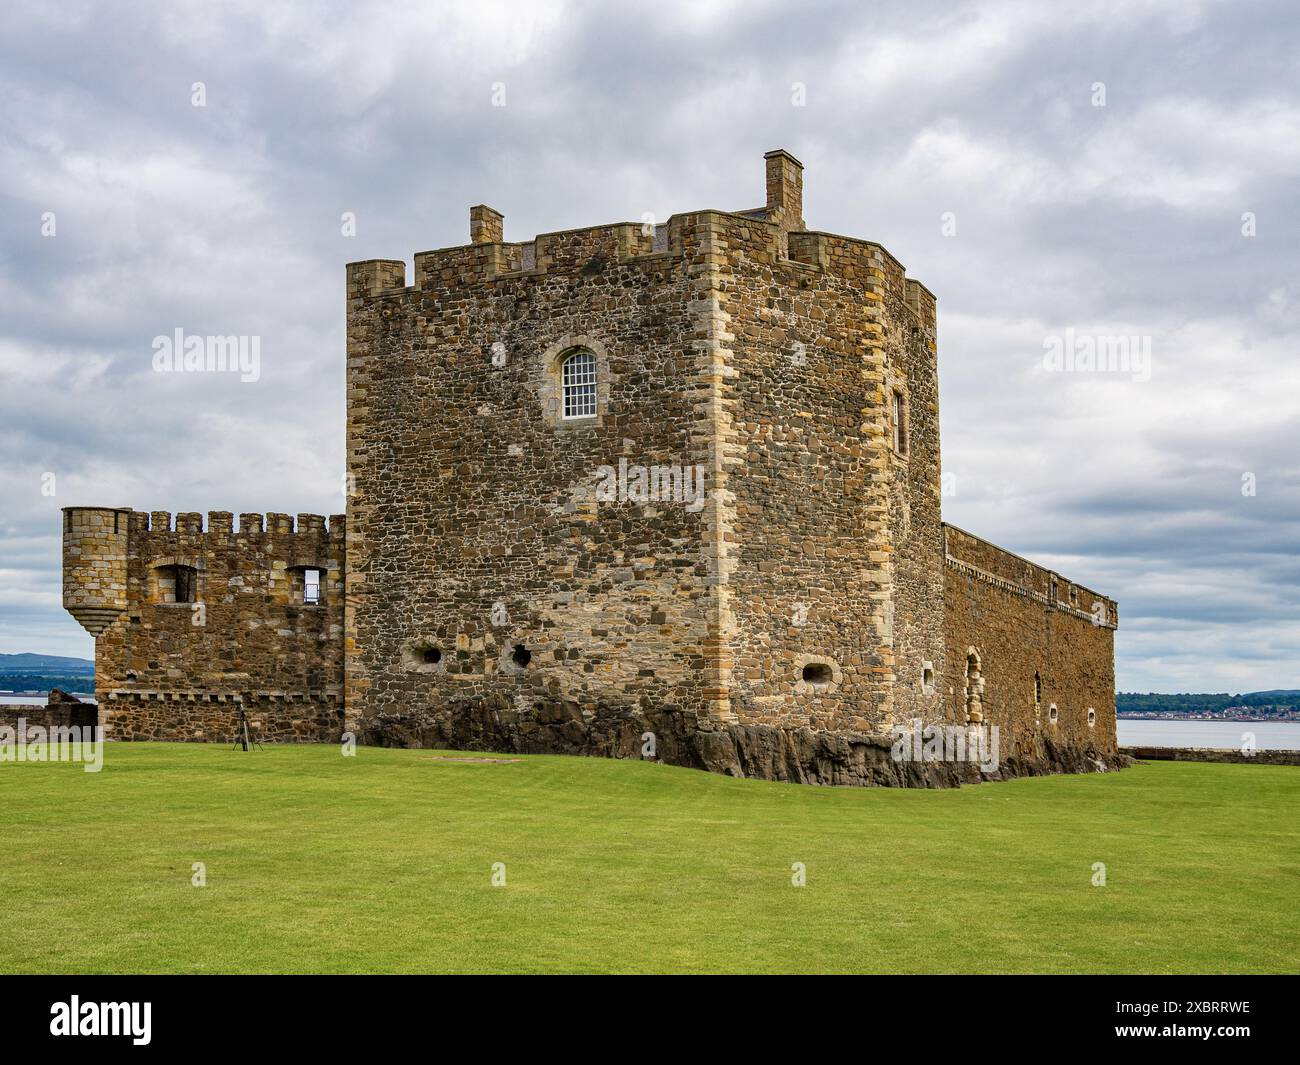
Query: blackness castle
{"points": [[677, 479]]}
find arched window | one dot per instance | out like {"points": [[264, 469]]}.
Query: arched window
{"points": [[578, 377]]}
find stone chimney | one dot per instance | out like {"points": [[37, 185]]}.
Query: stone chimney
{"points": [[486, 226], [784, 190]]}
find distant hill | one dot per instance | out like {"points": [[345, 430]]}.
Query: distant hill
{"points": [[46, 664]]}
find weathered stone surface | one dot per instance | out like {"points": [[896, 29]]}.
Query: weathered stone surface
{"points": [[169, 670], [490, 596], [1022, 619], [60, 710], [796, 755]]}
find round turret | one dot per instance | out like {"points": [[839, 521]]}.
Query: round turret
{"points": [[94, 565]]}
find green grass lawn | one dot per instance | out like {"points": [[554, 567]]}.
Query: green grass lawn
{"points": [[383, 863]]}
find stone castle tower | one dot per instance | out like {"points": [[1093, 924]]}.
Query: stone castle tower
{"points": [[673, 484]]}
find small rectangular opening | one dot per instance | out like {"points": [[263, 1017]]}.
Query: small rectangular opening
{"points": [[311, 586], [900, 424], [177, 584]]}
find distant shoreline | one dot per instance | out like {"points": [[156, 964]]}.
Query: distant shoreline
{"points": [[1270, 719]]}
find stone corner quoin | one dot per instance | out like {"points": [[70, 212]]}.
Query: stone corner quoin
{"points": [[649, 490]]}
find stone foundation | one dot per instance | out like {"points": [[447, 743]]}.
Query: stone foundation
{"points": [[764, 752]]}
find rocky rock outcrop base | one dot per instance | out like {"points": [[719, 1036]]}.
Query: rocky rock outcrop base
{"points": [[765, 752]]}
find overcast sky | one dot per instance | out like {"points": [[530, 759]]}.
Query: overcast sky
{"points": [[968, 140]]}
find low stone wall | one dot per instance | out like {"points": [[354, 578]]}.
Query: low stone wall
{"points": [[60, 710], [199, 717], [1210, 754], [765, 752]]}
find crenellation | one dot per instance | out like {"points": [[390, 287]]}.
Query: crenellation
{"points": [[588, 248], [447, 268], [375, 277], [809, 249]]}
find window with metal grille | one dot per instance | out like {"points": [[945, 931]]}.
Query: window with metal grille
{"points": [[579, 380]]}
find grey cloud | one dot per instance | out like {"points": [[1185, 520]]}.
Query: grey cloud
{"points": [[1123, 219]]}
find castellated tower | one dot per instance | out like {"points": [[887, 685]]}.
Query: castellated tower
{"points": [[666, 491], [496, 598]]}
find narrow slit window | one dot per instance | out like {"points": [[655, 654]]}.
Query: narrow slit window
{"points": [[900, 424], [579, 381]]}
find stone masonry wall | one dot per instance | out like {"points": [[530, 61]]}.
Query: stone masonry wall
{"points": [[492, 599], [1020, 619], [60, 710], [780, 628], [783, 594], [836, 532], [181, 671], [474, 536]]}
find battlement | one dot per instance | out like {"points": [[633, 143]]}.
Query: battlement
{"points": [[222, 523], [986, 561], [197, 615], [774, 234], [115, 558]]}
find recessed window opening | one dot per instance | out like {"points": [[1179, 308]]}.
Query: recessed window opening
{"points": [[1092, 717], [578, 378], [178, 584], [521, 656], [818, 673], [311, 586], [1052, 714], [974, 688], [431, 656], [900, 424], [1038, 692]]}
